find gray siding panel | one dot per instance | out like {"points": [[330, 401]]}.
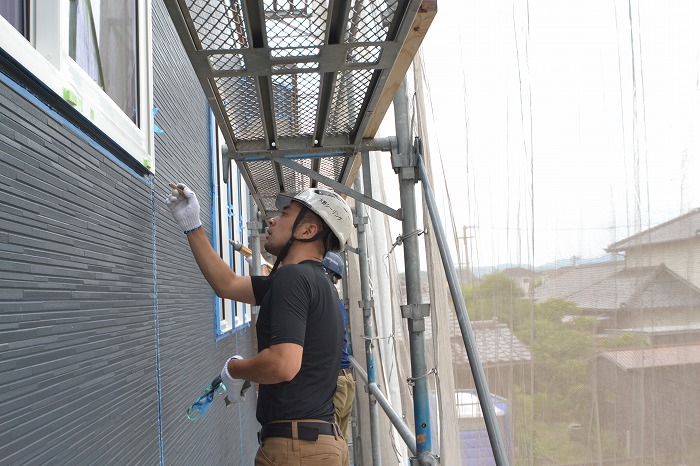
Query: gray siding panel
{"points": [[76, 296], [78, 300], [190, 357]]}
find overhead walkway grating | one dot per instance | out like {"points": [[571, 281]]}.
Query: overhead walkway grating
{"points": [[300, 81]]}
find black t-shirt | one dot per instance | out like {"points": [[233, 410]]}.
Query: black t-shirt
{"points": [[298, 304]]}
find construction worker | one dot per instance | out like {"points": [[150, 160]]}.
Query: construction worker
{"points": [[299, 328], [345, 391]]}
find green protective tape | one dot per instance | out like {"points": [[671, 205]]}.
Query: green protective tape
{"points": [[72, 98]]}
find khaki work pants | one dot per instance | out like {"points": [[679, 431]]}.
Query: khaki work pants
{"points": [[344, 396], [326, 450]]}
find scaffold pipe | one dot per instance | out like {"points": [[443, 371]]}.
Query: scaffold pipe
{"points": [[396, 420], [368, 320], [415, 313], [482, 388]]}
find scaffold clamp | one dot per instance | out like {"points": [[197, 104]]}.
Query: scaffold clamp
{"points": [[415, 311]]}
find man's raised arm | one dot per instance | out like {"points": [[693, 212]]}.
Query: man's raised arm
{"points": [[184, 207]]}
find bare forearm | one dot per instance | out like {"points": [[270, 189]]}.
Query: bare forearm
{"points": [[212, 267], [270, 366], [217, 273]]}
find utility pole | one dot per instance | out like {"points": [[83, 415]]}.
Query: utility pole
{"points": [[464, 272]]}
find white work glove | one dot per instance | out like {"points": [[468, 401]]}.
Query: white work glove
{"points": [[184, 207], [235, 388]]}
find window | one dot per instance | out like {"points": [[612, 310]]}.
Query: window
{"points": [[95, 54], [15, 12], [102, 40], [231, 216]]}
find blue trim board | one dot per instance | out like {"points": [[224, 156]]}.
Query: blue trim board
{"points": [[214, 215], [156, 327], [233, 331]]}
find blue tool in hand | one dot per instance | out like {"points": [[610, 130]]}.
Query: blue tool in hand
{"points": [[200, 407]]}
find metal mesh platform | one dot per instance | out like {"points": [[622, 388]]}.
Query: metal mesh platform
{"points": [[299, 80]]}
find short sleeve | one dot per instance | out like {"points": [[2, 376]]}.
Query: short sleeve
{"points": [[291, 295]]}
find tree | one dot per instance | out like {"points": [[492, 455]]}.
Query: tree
{"points": [[561, 351], [561, 342], [497, 296]]}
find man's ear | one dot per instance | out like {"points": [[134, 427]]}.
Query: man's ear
{"points": [[307, 230]]}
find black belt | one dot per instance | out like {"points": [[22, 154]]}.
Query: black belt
{"points": [[306, 430]]}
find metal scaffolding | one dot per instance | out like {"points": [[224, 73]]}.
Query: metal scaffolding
{"points": [[299, 88], [297, 85]]}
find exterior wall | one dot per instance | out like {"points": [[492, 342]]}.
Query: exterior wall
{"points": [[682, 257], [77, 359], [651, 318], [666, 425], [190, 356], [106, 325]]}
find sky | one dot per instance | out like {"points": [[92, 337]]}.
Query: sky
{"points": [[560, 127]]}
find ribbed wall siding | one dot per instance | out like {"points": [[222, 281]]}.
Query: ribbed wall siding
{"points": [[78, 300], [77, 358], [190, 358]]}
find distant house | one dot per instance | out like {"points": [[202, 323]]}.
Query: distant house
{"points": [[501, 353], [662, 380], [565, 282], [655, 287], [675, 243], [525, 278], [632, 297], [645, 392]]}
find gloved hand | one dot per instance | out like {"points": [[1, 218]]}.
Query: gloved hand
{"points": [[184, 207], [235, 388]]}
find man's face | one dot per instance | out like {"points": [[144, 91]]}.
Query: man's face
{"points": [[279, 228]]}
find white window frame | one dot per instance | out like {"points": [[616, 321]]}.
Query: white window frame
{"points": [[227, 308], [243, 317], [232, 315], [47, 57]]}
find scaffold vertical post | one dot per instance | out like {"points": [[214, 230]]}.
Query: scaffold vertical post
{"points": [[354, 424], [415, 311], [366, 305]]}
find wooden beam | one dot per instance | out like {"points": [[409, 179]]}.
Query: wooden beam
{"points": [[409, 48], [408, 51]]}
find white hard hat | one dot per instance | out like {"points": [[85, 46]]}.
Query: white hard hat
{"points": [[328, 205]]}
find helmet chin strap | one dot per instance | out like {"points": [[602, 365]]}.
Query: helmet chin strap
{"points": [[285, 250]]}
